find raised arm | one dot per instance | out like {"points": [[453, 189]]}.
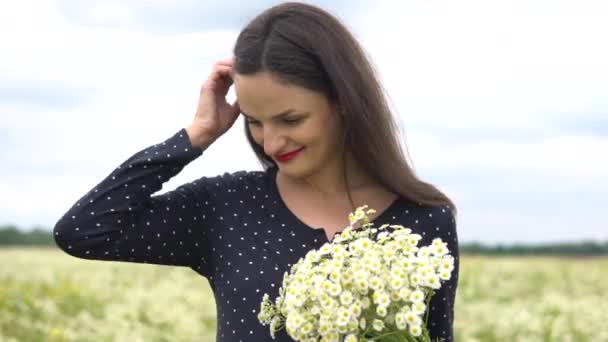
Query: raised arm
{"points": [[120, 220]]}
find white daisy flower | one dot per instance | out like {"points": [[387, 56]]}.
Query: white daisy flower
{"points": [[400, 321], [381, 311], [417, 296], [350, 338], [415, 330], [378, 325]]}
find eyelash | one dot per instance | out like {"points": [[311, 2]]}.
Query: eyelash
{"points": [[292, 121], [285, 121]]}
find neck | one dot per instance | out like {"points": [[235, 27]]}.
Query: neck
{"points": [[330, 180]]}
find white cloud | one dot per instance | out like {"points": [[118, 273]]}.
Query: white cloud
{"points": [[46, 48], [512, 226], [111, 12], [575, 157], [490, 64]]}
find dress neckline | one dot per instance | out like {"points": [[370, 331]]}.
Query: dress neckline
{"points": [[317, 231]]}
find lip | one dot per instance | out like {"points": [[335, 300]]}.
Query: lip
{"points": [[289, 155]]}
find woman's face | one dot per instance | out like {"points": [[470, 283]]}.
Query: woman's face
{"points": [[297, 127]]}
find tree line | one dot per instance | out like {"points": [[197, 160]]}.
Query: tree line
{"points": [[11, 235]]}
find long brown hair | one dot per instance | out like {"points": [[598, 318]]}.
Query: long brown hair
{"points": [[306, 46]]}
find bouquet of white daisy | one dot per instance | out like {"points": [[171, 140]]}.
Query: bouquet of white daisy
{"points": [[368, 284]]}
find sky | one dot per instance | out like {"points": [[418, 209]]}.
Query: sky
{"points": [[503, 105]]}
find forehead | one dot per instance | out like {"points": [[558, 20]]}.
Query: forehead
{"points": [[262, 95]]}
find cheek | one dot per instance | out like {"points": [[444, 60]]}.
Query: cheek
{"points": [[328, 131]]}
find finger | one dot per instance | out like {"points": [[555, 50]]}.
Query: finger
{"points": [[235, 109], [227, 61], [222, 71], [222, 82], [220, 77], [236, 106], [220, 68], [224, 78]]}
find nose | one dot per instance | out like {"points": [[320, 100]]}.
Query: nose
{"points": [[274, 142]]}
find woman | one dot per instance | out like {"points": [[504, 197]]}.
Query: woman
{"points": [[317, 119]]}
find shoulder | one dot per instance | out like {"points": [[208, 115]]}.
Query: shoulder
{"points": [[442, 224], [441, 215], [237, 178], [234, 183], [431, 221]]}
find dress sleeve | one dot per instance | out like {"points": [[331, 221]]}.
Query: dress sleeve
{"points": [[441, 314], [120, 220]]}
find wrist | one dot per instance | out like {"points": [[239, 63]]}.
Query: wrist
{"points": [[199, 138]]}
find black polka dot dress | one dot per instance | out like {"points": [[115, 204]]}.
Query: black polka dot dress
{"points": [[233, 229]]}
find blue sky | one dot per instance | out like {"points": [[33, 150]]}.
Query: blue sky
{"points": [[503, 105]]}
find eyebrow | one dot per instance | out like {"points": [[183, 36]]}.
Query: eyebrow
{"points": [[276, 116]]}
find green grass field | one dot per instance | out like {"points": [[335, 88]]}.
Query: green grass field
{"points": [[46, 295]]}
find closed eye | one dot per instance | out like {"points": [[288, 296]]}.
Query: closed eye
{"points": [[291, 121]]}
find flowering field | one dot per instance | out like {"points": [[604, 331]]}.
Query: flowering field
{"points": [[46, 295]]}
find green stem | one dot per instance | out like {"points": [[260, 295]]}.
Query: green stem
{"points": [[428, 309]]}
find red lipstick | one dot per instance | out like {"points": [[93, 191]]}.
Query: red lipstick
{"points": [[287, 156]]}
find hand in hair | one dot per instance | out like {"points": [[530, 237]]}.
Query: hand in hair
{"points": [[214, 115]]}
